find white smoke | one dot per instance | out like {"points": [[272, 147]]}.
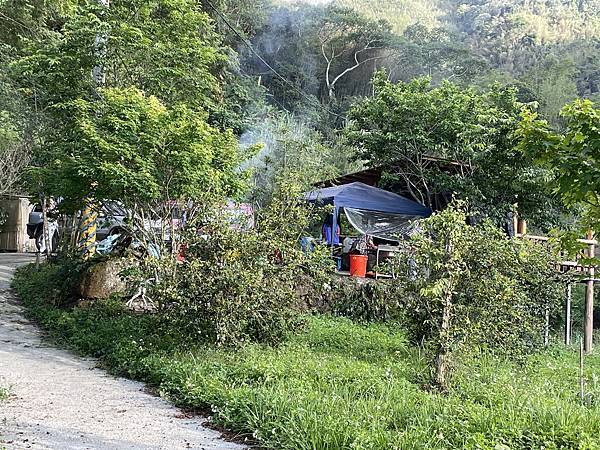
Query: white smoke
{"points": [[308, 2]]}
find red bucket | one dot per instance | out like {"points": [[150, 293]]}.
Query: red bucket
{"points": [[358, 265]]}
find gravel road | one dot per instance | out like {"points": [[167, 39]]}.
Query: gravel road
{"points": [[62, 402]]}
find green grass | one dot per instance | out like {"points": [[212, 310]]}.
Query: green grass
{"points": [[337, 384], [3, 393]]}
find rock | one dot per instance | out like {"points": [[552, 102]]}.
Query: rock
{"points": [[102, 280]]}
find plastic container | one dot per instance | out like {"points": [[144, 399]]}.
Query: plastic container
{"points": [[358, 265]]}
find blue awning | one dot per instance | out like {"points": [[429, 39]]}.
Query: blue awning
{"points": [[361, 196]]}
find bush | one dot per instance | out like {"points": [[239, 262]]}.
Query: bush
{"points": [[238, 286], [335, 384], [369, 302], [472, 286]]}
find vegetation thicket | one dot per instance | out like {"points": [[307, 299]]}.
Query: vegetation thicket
{"points": [[161, 106], [241, 282], [336, 383]]}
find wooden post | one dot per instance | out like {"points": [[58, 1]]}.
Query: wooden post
{"points": [[523, 227], [568, 314], [547, 326], [588, 321], [581, 379]]}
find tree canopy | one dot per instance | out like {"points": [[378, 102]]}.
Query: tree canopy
{"points": [[444, 141], [572, 156]]}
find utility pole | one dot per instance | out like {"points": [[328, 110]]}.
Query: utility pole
{"points": [[89, 215]]}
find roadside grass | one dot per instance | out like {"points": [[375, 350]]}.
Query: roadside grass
{"points": [[4, 392], [336, 384]]}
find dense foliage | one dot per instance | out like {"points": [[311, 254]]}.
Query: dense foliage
{"points": [[572, 155], [444, 141], [138, 152], [336, 384], [240, 284], [474, 286]]}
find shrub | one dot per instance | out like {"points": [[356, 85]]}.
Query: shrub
{"points": [[473, 286], [369, 302], [237, 286]]}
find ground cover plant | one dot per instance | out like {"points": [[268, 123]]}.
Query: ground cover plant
{"points": [[337, 384]]}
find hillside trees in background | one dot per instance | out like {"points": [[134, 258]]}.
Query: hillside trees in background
{"points": [[435, 53], [448, 140], [399, 13], [328, 54], [323, 52], [247, 17], [348, 41], [555, 40], [513, 42]]}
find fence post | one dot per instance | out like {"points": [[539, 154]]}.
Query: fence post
{"points": [[588, 321], [568, 314]]}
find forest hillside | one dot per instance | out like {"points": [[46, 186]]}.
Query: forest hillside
{"points": [[550, 47]]}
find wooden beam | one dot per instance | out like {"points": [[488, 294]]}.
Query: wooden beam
{"points": [[534, 237]]}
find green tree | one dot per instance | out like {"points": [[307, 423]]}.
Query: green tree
{"points": [[167, 48], [448, 140], [153, 135], [472, 287], [572, 155], [130, 148]]}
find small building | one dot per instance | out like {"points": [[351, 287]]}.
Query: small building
{"points": [[13, 233]]}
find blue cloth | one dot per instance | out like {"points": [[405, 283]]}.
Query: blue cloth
{"points": [[362, 196], [329, 237], [307, 243]]}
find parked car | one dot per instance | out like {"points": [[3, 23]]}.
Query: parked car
{"points": [[111, 221], [35, 230]]}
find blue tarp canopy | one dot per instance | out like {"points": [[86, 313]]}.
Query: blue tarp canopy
{"points": [[362, 196]]}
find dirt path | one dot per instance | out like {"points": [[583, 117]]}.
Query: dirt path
{"points": [[62, 402]]}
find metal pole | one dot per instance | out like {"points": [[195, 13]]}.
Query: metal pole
{"points": [[547, 326], [334, 225], [588, 323], [581, 380], [568, 314]]}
